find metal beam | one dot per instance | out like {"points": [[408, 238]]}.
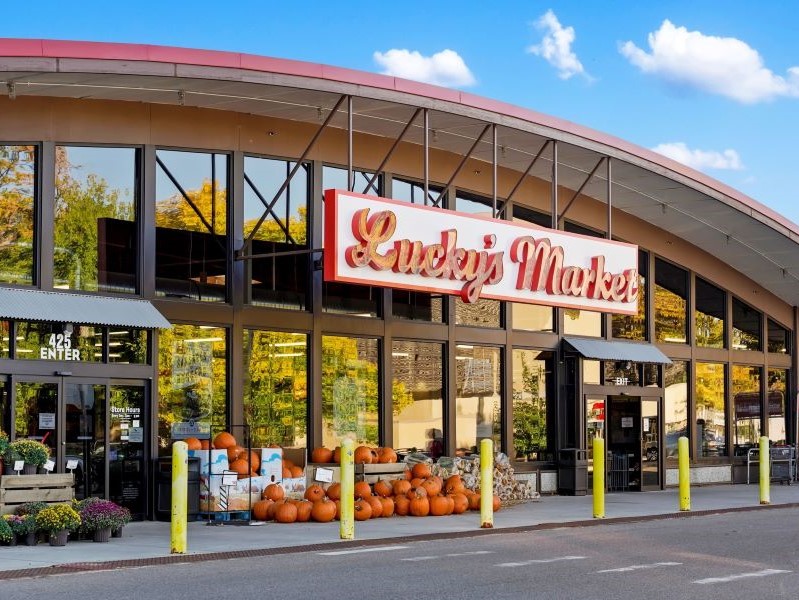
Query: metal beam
{"points": [[581, 188], [524, 175], [463, 161], [426, 158], [610, 199], [350, 178], [494, 170], [396, 143]]}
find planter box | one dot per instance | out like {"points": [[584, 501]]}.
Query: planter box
{"points": [[55, 488]]}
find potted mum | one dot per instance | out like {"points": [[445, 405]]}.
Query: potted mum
{"points": [[34, 453], [7, 537], [23, 527], [57, 521], [122, 519], [99, 518], [3, 447]]}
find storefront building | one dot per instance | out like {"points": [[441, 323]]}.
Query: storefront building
{"points": [[167, 268]]}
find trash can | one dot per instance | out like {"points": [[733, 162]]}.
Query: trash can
{"points": [[572, 472], [163, 488]]}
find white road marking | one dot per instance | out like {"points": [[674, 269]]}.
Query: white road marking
{"points": [[359, 550], [539, 561], [639, 567], [438, 556], [764, 573]]}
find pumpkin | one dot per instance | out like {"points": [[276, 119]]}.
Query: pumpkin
{"points": [[296, 472], [205, 444], [416, 482], [323, 511], [408, 474], [497, 503], [377, 506], [270, 510], [387, 455], [255, 461], [438, 506], [363, 510], [286, 513], [431, 486], [383, 488], [388, 506], [224, 440], [461, 503], [304, 508], [421, 471], [334, 491], [287, 464], [362, 490], [193, 443], [234, 452], [375, 455], [241, 467], [363, 455], [450, 505], [454, 484], [419, 504], [401, 487], [338, 509], [417, 491], [474, 501], [402, 505], [286, 473], [314, 492], [273, 492], [260, 509], [321, 455], [337, 454]]}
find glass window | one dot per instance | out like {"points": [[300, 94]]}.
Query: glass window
{"points": [[746, 324], [33, 400], [711, 306], [478, 412], [746, 407], [5, 339], [5, 406], [671, 303], [777, 413], [94, 230], [347, 298], [592, 371], [633, 327], [533, 317], [413, 192], [280, 281], [58, 341], [276, 388], [676, 418], [582, 322], [192, 380], [711, 438], [191, 211], [622, 372], [531, 395], [778, 338], [418, 396], [17, 214], [528, 215], [349, 390], [127, 346]]}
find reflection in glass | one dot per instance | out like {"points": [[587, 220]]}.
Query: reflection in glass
{"points": [[594, 424], [478, 410], [276, 388], [94, 227], [671, 303], [5, 407], [418, 306], [59, 341], [33, 400], [533, 317], [711, 306], [17, 193], [777, 413], [127, 346], [413, 192], [711, 427], [280, 281], [778, 338], [192, 382], [746, 407], [126, 451], [633, 327], [349, 390], [530, 397], [676, 402], [582, 322], [5, 339], [417, 396], [191, 225], [84, 428], [482, 313], [745, 326], [592, 371]]}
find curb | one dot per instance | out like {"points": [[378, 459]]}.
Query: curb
{"points": [[172, 559]]}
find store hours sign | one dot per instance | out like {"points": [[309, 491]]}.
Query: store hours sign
{"points": [[375, 241], [59, 347]]}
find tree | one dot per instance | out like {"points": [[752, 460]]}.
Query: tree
{"points": [[16, 213]]}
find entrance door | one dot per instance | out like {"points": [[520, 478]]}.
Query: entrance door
{"points": [[126, 452], [651, 444], [634, 443]]}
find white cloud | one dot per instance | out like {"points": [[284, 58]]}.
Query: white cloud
{"points": [[719, 65], [701, 159], [555, 46], [445, 68]]}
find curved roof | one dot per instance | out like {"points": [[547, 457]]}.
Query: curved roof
{"points": [[751, 237]]}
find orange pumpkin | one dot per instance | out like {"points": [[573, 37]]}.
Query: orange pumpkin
{"points": [[450, 505], [314, 492], [438, 506], [383, 488], [259, 509], [388, 506], [377, 506], [454, 484], [461, 503], [362, 490], [241, 467], [270, 510], [273, 492], [363, 455], [321, 455], [193, 443], [402, 505], [431, 486], [419, 505], [286, 473], [286, 513], [224, 440], [296, 472], [205, 444], [363, 510], [417, 491], [497, 502], [474, 501], [421, 471], [337, 454], [408, 474], [416, 482], [401, 487], [323, 511], [387, 455], [287, 464], [234, 452], [334, 491], [338, 509], [304, 508], [255, 461]]}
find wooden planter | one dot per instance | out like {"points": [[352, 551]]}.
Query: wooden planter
{"points": [[55, 488]]}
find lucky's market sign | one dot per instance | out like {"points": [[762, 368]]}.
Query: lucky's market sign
{"points": [[375, 241]]}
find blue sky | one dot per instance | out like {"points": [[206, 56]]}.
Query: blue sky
{"points": [[712, 84]]}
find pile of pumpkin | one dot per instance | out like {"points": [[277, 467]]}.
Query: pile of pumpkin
{"points": [[237, 456], [419, 494], [363, 455]]}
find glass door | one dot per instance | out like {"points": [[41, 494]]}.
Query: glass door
{"points": [[126, 452], [651, 444], [36, 414], [83, 445]]}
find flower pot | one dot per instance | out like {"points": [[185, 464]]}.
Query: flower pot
{"points": [[59, 538], [102, 535], [8, 469], [29, 469], [30, 539], [116, 533]]}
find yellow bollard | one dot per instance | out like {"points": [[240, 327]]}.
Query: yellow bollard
{"points": [[486, 483], [685, 473], [180, 495], [599, 478], [347, 524], [765, 471]]}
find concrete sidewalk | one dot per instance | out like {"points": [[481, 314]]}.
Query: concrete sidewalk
{"points": [[150, 540]]}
